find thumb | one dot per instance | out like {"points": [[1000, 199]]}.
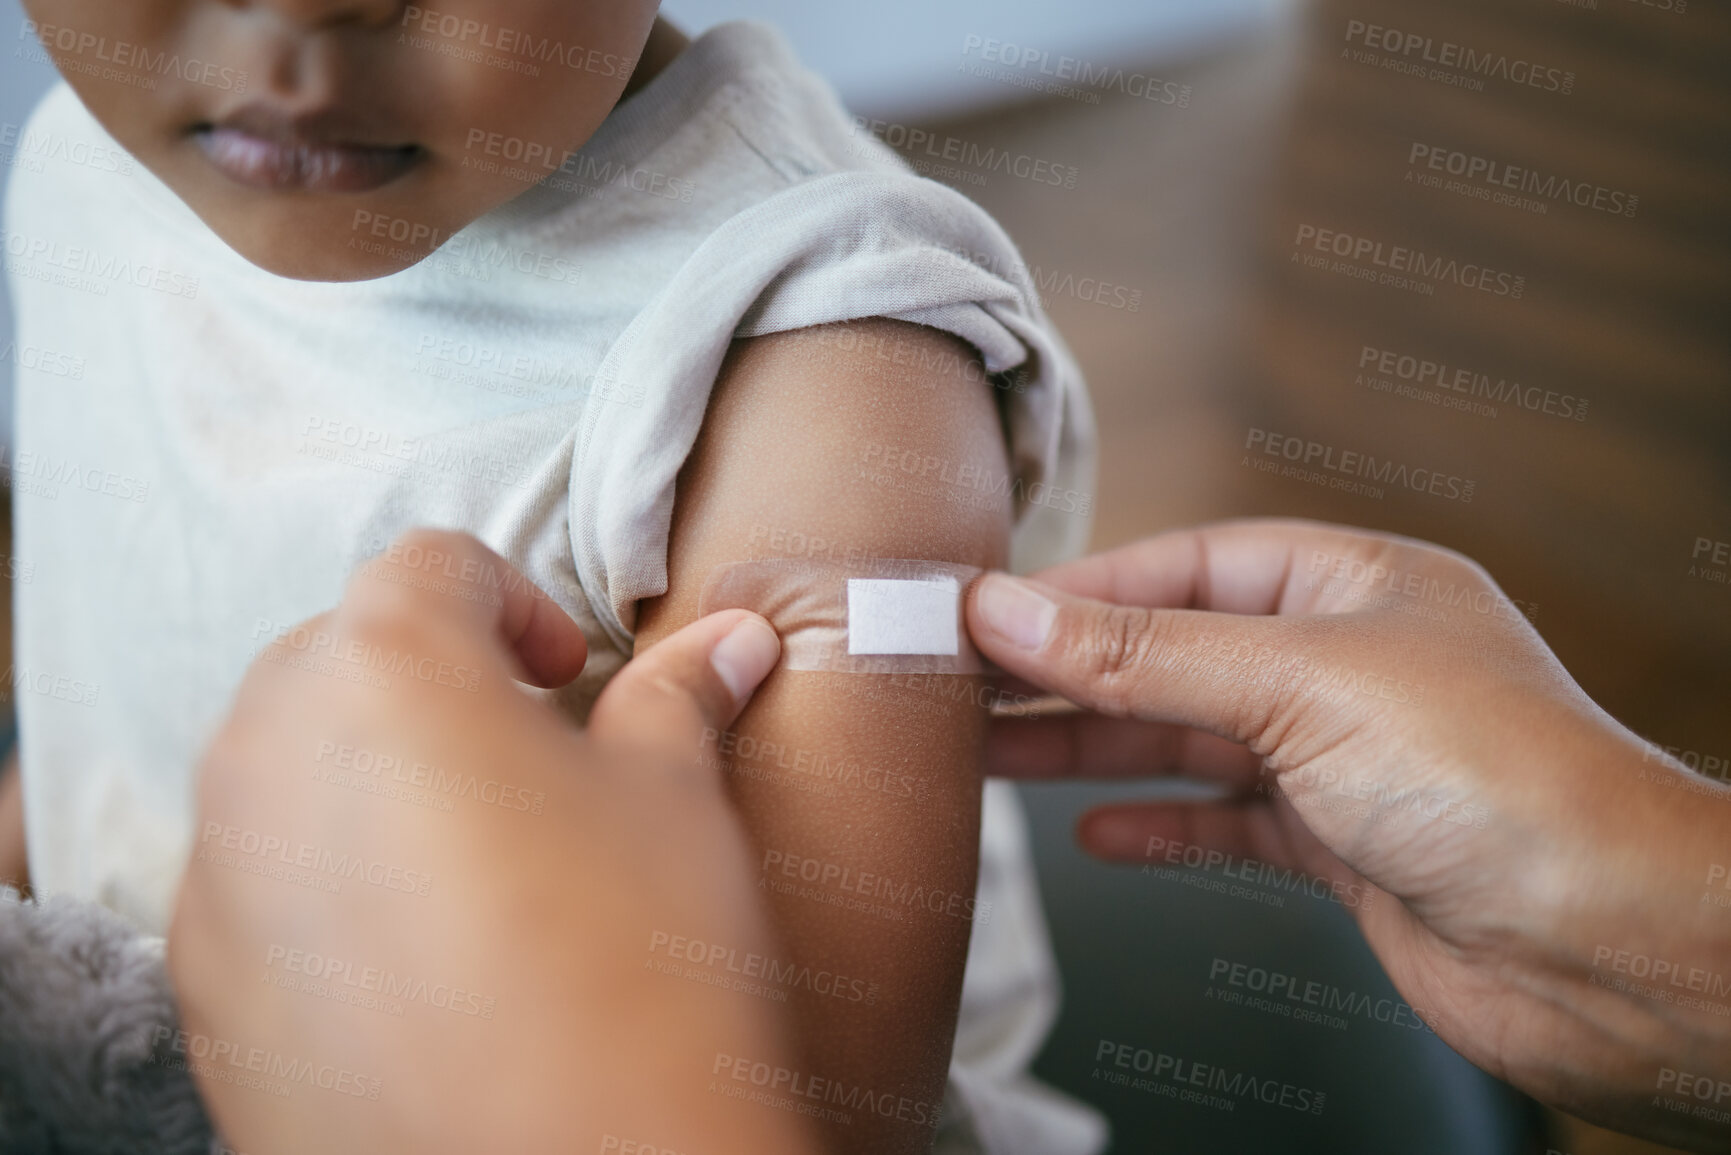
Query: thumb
{"points": [[697, 680], [1217, 672]]}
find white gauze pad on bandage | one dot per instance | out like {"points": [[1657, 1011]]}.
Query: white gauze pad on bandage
{"points": [[882, 616]]}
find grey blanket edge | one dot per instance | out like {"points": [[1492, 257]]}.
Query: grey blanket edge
{"points": [[87, 1031]]}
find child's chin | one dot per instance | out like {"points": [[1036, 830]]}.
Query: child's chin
{"points": [[322, 262]]}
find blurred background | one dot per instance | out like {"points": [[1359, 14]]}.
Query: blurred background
{"points": [[1598, 446]]}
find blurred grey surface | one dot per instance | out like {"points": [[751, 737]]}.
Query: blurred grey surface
{"points": [[901, 59], [1137, 951]]}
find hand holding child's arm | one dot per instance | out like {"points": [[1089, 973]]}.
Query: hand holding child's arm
{"points": [[491, 961]]}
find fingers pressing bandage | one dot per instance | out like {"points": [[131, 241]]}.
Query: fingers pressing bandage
{"points": [[885, 616]]}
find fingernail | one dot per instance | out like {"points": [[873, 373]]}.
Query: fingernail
{"points": [[1016, 610], [746, 656]]}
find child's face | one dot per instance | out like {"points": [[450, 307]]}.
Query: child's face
{"points": [[345, 139]]}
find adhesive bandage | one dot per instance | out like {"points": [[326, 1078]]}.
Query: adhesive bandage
{"points": [[884, 616]]}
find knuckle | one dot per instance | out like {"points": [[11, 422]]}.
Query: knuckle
{"points": [[1453, 563], [380, 611], [1117, 652]]}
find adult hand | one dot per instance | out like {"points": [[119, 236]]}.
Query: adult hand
{"points": [[421, 903], [1381, 717]]}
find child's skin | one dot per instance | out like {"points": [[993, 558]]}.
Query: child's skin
{"points": [[345, 108], [315, 108]]}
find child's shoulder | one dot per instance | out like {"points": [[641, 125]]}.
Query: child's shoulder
{"points": [[748, 75], [734, 120]]}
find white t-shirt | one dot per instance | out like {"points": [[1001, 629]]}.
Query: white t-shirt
{"points": [[205, 450]]}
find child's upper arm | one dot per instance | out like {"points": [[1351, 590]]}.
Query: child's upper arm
{"points": [[870, 786]]}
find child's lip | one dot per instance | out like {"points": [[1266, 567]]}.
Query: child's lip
{"points": [[260, 162], [262, 148]]}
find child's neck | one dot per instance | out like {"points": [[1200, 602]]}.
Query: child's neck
{"points": [[664, 43]]}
